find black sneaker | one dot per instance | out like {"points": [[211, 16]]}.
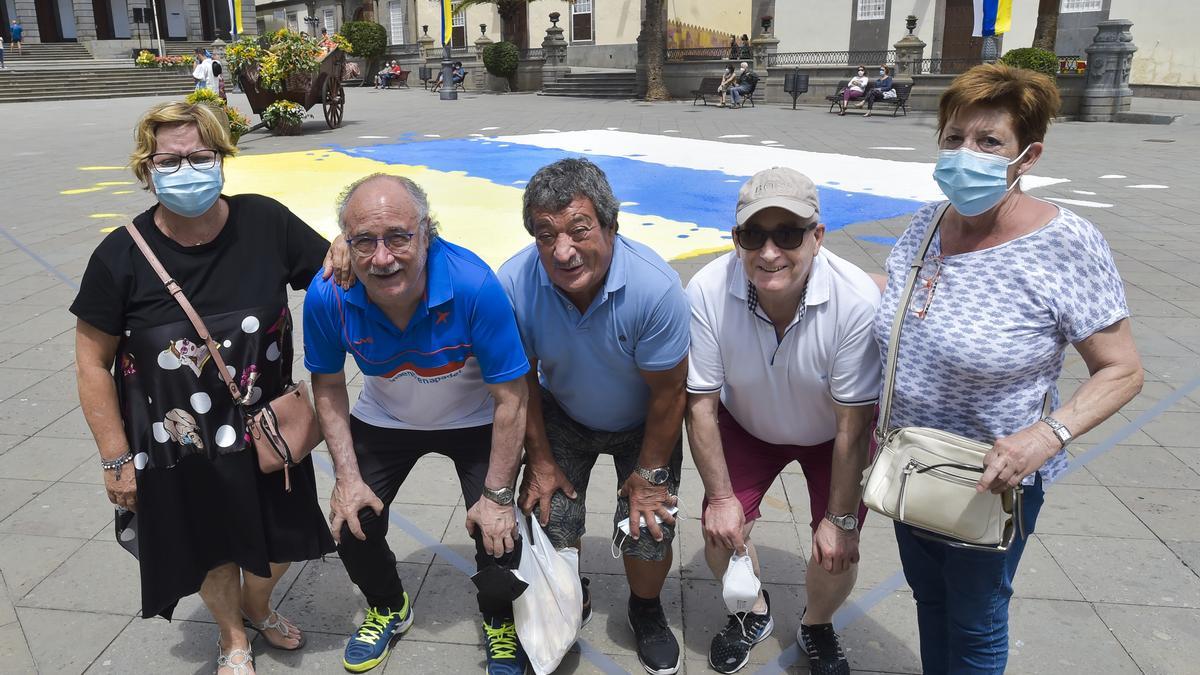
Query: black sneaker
{"points": [[587, 601], [730, 648], [824, 650], [657, 649]]}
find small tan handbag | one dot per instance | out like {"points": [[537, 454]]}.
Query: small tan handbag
{"points": [[285, 430], [926, 477]]}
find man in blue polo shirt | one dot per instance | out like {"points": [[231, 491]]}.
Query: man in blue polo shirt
{"points": [[443, 371], [605, 323]]}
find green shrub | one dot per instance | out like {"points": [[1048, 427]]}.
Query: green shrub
{"points": [[368, 39], [1032, 58], [501, 59]]}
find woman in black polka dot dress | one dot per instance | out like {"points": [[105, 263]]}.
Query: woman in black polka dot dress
{"points": [[207, 520]]}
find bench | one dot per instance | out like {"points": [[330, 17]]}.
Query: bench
{"points": [[400, 79], [835, 99], [425, 73], [900, 102], [708, 87]]}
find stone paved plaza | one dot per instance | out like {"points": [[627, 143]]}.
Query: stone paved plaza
{"points": [[1108, 584]]}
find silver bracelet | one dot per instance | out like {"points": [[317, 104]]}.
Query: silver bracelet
{"points": [[116, 464]]}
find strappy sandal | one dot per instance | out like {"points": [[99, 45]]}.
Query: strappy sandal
{"points": [[240, 660], [276, 623]]}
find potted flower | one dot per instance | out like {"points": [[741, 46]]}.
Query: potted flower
{"points": [[238, 123], [765, 21], [284, 118]]}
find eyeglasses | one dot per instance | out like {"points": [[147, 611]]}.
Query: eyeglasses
{"points": [[169, 162], [927, 281], [787, 238], [577, 234], [396, 242]]}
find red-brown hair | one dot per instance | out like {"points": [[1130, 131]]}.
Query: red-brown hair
{"points": [[1030, 97]]}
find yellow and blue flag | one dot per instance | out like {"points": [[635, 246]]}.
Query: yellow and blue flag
{"points": [[992, 17], [447, 20]]}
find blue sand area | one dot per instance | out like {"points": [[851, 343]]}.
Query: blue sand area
{"points": [[703, 197]]}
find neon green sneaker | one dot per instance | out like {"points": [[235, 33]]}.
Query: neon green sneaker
{"points": [[370, 644], [504, 653]]}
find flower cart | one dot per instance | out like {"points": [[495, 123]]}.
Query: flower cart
{"points": [[306, 89], [288, 66]]}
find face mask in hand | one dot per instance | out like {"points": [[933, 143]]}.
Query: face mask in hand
{"points": [[974, 182], [189, 192], [739, 586]]}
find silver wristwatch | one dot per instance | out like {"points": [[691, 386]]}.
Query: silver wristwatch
{"points": [[1064, 434], [848, 522], [657, 476], [503, 496]]}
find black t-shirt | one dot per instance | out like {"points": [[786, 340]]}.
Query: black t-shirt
{"points": [[262, 247]]}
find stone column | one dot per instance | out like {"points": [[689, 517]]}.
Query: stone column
{"points": [[85, 21], [1106, 91], [766, 43], [429, 47], [481, 73], [555, 49]]}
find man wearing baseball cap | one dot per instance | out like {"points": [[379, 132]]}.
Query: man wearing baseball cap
{"points": [[782, 368]]}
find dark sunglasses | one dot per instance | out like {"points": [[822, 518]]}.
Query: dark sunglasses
{"points": [[788, 238]]}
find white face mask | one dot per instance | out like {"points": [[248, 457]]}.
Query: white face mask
{"points": [[739, 586]]}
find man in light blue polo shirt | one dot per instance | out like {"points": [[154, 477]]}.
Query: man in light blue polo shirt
{"points": [[605, 324], [443, 371]]}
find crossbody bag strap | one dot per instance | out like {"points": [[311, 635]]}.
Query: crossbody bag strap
{"points": [[889, 380], [176, 292]]}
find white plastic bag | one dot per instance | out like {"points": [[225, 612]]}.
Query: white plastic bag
{"points": [[549, 612]]}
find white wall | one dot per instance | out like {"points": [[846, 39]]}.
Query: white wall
{"points": [[812, 25], [923, 10], [1168, 51]]}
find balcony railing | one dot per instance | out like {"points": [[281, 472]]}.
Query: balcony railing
{"points": [[404, 50], [533, 54], [847, 58], [699, 54]]}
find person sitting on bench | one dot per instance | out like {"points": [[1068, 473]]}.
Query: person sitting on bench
{"points": [[879, 92], [855, 89], [387, 74], [457, 75], [747, 80], [727, 81]]}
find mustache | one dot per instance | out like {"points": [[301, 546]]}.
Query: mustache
{"points": [[570, 264], [384, 270]]}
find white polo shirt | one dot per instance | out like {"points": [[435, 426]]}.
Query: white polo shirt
{"points": [[783, 391]]}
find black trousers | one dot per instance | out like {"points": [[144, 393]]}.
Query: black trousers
{"points": [[385, 458]]}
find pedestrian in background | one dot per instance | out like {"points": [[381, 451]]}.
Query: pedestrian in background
{"points": [[18, 33]]}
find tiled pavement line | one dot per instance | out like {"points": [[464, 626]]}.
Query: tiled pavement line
{"points": [[598, 658], [854, 610]]}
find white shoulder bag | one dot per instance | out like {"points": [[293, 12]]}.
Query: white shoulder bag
{"points": [[926, 477]]}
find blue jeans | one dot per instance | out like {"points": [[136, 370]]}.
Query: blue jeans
{"points": [[738, 92], [962, 597]]}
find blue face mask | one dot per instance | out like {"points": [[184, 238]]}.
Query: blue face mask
{"points": [[974, 182], [189, 192]]}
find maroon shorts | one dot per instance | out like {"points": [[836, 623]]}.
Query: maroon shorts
{"points": [[755, 464]]}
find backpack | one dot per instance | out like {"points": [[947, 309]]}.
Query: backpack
{"points": [[216, 68]]}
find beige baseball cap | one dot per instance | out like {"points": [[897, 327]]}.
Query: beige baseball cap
{"points": [[778, 186]]}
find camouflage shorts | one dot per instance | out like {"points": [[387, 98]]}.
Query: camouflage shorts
{"points": [[576, 448]]}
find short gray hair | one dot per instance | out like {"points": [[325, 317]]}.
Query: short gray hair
{"points": [[556, 185], [414, 191]]}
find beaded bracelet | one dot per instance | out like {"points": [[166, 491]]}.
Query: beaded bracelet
{"points": [[116, 464]]}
